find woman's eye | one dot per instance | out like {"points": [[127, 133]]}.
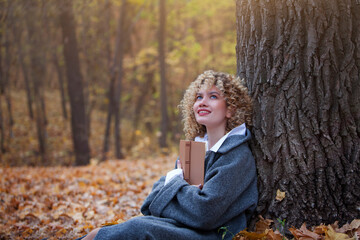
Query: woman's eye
{"points": [[213, 97], [199, 97]]}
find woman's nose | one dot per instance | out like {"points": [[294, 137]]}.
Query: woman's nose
{"points": [[203, 102]]}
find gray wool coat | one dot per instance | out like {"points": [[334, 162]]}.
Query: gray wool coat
{"points": [[181, 211]]}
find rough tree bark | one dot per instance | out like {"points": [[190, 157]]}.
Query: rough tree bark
{"points": [[163, 97], [74, 84], [301, 60]]}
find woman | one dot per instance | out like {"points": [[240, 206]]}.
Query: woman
{"points": [[215, 109]]}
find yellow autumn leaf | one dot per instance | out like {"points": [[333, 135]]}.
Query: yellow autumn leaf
{"points": [[330, 234], [112, 223], [27, 232], [61, 232], [280, 195]]}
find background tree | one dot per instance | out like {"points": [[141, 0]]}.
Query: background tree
{"points": [[75, 85], [37, 69], [191, 47], [162, 66], [115, 85], [301, 62], [2, 87]]}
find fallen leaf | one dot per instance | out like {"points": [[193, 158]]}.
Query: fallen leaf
{"points": [[250, 235], [321, 230], [61, 232], [280, 195], [262, 225], [303, 233], [353, 226], [27, 232], [330, 234], [271, 235]]}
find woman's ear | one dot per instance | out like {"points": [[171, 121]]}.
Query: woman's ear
{"points": [[228, 113]]}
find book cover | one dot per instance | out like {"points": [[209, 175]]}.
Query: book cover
{"points": [[192, 159]]}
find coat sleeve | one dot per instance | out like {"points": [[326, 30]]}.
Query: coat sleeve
{"points": [[155, 190], [226, 193]]}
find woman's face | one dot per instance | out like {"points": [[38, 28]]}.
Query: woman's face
{"points": [[210, 108]]}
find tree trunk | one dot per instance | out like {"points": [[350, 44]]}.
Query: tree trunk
{"points": [[55, 59], [21, 52], [118, 85], [2, 130], [108, 51], [107, 19], [108, 119], [37, 74], [301, 62], [59, 70], [141, 100], [163, 97], [6, 84], [26, 79], [75, 85], [115, 88], [87, 65]]}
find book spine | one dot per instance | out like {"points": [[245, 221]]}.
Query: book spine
{"points": [[187, 161]]}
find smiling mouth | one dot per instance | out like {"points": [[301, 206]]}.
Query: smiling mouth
{"points": [[203, 112]]}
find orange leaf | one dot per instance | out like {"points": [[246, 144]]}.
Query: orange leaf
{"points": [[112, 223], [303, 233], [27, 232], [60, 232], [320, 230], [251, 235], [271, 235], [262, 225], [88, 226]]}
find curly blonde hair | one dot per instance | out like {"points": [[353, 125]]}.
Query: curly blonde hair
{"points": [[232, 89]]}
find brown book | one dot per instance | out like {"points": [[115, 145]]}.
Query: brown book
{"points": [[192, 159]]}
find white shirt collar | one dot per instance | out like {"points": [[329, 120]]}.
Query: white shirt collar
{"points": [[239, 130]]}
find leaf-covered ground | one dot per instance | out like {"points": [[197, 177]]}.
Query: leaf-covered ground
{"points": [[264, 230], [68, 202]]}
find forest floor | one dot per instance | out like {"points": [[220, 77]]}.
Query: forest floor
{"points": [[68, 202]]}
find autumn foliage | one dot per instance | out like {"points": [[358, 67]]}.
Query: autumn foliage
{"points": [[264, 231], [68, 202]]}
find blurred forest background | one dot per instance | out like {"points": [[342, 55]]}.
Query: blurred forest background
{"points": [[135, 58]]}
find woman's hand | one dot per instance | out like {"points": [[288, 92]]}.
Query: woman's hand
{"points": [[173, 173], [178, 164]]}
